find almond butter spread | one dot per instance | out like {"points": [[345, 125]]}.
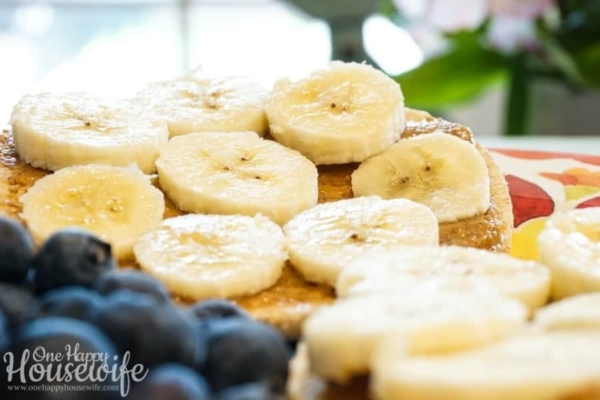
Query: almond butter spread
{"points": [[286, 304]]}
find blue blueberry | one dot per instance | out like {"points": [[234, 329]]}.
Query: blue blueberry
{"points": [[17, 303], [172, 382], [71, 257], [16, 251], [292, 346], [249, 391], [37, 347], [4, 333], [153, 333], [217, 308], [70, 302], [134, 280], [242, 350]]}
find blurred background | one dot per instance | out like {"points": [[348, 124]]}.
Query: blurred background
{"points": [[503, 67]]}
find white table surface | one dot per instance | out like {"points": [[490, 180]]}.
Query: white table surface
{"points": [[581, 145]]}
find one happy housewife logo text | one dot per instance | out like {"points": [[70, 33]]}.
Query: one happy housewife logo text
{"points": [[70, 369]]}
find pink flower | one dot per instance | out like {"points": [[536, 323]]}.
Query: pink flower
{"points": [[520, 8], [447, 15], [430, 39], [456, 15], [512, 33]]}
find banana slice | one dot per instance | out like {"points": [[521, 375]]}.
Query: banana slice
{"points": [[207, 256], [570, 247], [323, 240], [439, 170], [341, 338], [451, 268], [341, 114], [118, 204], [53, 131], [577, 312], [201, 103], [416, 115], [237, 173], [546, 366]]}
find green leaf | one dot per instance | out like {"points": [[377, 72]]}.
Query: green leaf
{"points": [[556, 57], [456, 77], [387, 8], [518, 119], [588, 62], [563, 61]]}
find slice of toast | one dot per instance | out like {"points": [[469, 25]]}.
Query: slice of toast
{"points": [[287, 303]]}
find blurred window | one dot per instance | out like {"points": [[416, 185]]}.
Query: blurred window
{"points": [[114, 47]]}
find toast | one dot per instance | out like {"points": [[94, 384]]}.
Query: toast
{"points": [[287, 303]]}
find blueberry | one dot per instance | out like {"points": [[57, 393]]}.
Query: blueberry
{"points": [[59, 344], [16, 251], [153, 333], [217, 308], [71, 257], [249, 391], [292, 346], [171, 382], [133, 280], [70, 302], [4, 333], [242, 351], [17, 303]]}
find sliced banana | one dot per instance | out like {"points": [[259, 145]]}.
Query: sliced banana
{"points": [[341, 338], [439, 170], [237, 173], [53, 131], [201, 103], [414, 115], [578, 312], [570, 247], [451, 268], [340, 114], [207, 256], [546, 366], [118, 204], [324, 239]]}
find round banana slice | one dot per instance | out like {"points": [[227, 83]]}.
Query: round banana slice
{"points": [[341, 338], [451, 268], [118, 204], [577, 312], [200, 103], [570, 247], [414, 115], [439, 170], [532, 366], [213, 256], [341, 114], [237, 173], [324, 239], [53, 131]]}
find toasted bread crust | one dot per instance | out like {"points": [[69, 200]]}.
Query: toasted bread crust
{"points": [[287, 303]]}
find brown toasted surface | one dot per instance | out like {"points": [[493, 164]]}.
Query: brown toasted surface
{"points": [[591, 392], [288, 302], [420, 125]]}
